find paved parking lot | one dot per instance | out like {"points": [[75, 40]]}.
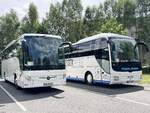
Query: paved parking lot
{"points": [[75, 97]]}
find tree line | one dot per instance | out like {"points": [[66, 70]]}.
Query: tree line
{"points": [[69, 20]]}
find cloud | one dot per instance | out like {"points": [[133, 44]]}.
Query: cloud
{"points": [[91, 2]]}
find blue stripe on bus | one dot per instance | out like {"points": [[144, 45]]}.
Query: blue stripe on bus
{"points": [[101, 81], [74, 79], [81, 79]]}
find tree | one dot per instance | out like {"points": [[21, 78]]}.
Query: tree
{"points": [[143, 26], [107, 9], [126, 12], [99, 18], [89, 21], [9, 28], [30, 23], [25, 25], [65, 20], [53, 24], [73, 19], [143, 19], [113, 26]]}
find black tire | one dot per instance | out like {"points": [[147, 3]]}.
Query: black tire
{"points": [[16, 84], [5, 79], [89, 78]]}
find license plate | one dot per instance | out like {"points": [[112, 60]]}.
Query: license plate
{"points": [[130, 77], [47, 84]]}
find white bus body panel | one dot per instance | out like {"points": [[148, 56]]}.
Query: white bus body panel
{"points": [[77, 68], [9, 68], [31, 79], [125, 77]]}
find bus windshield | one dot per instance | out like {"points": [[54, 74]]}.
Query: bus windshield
{"points": [[122, 50], [41, 52], [124, 55]]}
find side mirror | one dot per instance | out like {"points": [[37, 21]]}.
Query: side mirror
{"points": [[67, 43], [142, 44], [24, 46]]}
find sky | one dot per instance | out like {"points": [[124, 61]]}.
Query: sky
{"points": [[21, 6]]}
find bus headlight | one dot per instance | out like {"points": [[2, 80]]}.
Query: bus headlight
{"points": [[28, 78]]}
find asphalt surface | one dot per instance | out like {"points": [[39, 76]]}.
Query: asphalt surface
{"points": [[75, 97]]}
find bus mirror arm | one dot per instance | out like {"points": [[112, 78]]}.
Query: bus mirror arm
{"points": [[143, 44]]}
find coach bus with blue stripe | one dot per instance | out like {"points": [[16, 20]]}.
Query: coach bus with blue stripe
{"points": [[105, 58]]}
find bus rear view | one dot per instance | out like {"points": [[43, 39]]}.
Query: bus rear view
{"points": [[34, 60]]}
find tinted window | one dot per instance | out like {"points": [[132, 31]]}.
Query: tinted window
{"points": [[86, 46], [10, 51], [100, 43], [41, 52], [124, 56]]}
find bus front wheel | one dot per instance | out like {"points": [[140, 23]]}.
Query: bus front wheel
{"points": [[16, 83], [5, 78], [89, 78]]}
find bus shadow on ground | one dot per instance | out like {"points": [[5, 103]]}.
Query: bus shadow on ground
{"points": [[27, 94], [105, 88]]}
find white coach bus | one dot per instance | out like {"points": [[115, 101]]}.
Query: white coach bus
{"points": [[34, 60], [106, 58]]}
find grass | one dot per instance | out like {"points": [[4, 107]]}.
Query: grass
{"points": [[145, 79]]}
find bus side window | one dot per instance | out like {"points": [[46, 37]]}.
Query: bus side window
{"points": [[86, 46], [100, 43], [105, 54], [92, 44], [75, 47], [102, 46], [20, 55], [105, 60], [103, 43]]}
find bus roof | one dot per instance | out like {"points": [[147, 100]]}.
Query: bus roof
{"points": [[46, 35], [101, 35]]}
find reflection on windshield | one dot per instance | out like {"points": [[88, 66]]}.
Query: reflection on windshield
{"points": [[42, 52], [123, 50]]}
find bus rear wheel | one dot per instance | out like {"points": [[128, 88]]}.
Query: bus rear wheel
{"points": [[89, 78]]}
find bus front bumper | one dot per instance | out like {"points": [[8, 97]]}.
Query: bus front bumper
{"points": [[125, 79], [38, 83]]}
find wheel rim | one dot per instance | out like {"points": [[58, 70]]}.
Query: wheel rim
{"points": [[89, 79]]}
